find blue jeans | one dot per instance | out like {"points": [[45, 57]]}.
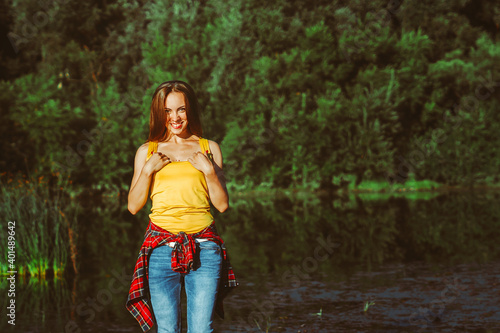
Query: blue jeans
{"points": [[201, 287]]}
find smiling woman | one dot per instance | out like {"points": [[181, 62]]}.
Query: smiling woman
{"points": [[181, 245]]}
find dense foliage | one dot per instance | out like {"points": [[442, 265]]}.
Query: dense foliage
{"points": [[298, 93]]}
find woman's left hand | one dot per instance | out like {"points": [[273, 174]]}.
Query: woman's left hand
{"points": [[201, 162]]}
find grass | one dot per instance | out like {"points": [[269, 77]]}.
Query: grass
{"points": [[268, 322], [366, 186], [43, 231], [384, 186], [367, 305]]}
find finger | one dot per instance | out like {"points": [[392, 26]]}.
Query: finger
{"points": [[203, 154]]}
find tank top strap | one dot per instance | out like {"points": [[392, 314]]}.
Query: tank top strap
{"points": [[152, 148], [205, 148]]}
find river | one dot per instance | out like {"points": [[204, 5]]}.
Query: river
{"points": [[418, 262]]}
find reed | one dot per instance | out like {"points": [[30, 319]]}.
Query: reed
{"points": [[4, 266], [40, 209]]}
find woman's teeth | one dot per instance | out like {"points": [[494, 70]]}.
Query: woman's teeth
{"points": [[176, 126]]}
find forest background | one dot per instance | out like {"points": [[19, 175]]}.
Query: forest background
{"points": [[299, 94], [302, 96]]}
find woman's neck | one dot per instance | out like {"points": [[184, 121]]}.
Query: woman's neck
{"points": [[182, 138]]}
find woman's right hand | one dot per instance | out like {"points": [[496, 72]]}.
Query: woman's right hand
{"points": [[156, 162], [143, 176]]}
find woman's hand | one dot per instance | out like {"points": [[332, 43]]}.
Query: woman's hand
{"points": [[156, 162], [143, 176], [201, 162]]}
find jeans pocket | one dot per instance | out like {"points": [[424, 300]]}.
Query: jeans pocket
{"points": [[209, 246]]}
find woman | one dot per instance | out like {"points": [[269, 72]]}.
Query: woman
{"points": [[181, 245]]}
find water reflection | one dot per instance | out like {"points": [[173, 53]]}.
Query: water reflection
{"points": [[268, 235], [40, 305], [302, 256]]}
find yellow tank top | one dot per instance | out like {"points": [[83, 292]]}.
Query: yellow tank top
{"points": [[180, 196]]}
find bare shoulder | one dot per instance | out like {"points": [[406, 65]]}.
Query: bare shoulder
{"points": [[142, 151], [214, 147], [143, 147], [216, 152]]}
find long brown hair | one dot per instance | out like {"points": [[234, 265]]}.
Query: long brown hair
{"points": [[158, 130]]}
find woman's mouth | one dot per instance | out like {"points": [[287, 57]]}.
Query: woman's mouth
{"points": [[176, 125]]}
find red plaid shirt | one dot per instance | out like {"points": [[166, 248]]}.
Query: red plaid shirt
{"points": [[139, 302]]}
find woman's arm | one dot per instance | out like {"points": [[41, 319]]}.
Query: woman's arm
{"points": [[216, 180], [143, 172], [214, 176]]}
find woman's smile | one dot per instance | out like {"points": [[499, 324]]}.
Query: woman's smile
{"points": [[176, 125]]}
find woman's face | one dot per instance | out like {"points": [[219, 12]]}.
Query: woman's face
{"points": [[175, 108]]}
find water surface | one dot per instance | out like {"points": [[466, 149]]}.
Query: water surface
{"points": [[305, 263]]}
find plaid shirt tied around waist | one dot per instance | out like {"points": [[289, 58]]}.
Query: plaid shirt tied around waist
{"points": [[183, 253]]}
